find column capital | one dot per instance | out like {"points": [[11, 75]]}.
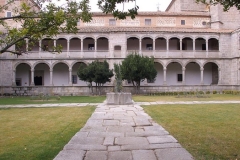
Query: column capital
{"points": [[202, 69], [183, 68], [70, 69], [32, 70], [164, 68]]}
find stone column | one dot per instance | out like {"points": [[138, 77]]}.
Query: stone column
{"points": [[32, 77], [14, 78], [153, 47], [202, 69], [183, 75], [81, 55], [206, 45], [51, 76], [219, 76], [167, 44], [165, 76], [70, 76], [54, 43], [194, 45], [180, 44], [95, 47], [68, 43]]}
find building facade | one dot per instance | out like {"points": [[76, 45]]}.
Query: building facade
{"points": [[195, 47]]}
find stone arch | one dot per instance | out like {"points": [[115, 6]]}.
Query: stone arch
{"points": [[20, 62], [177, 61], [189, 61], [59, 61], [133, 43], [71, 37], [192, 73], [41, 61], [134, 36], [161, 36], [78, 61], [211, 61], [211, 73], [102, 36], [89, 36], [147, 36]]}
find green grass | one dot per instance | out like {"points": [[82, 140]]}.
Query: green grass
{"points": [[213, 97], [207, 131], [38, 133], [64, 99]]}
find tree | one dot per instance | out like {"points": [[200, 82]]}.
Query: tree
{"points": [[227, 4], [136, 68], [97, 72], [38, 19]]}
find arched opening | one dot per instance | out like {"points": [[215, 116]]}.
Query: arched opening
{"points": [[192, 74], [213, 44], [21, 46], [23, 75], [88, 44], [187, 43], [174, 74], [159, 78], [47, 44], [200, 44], [75, 44], [160, 44], [60, 74], [174, 43], [132, 44], [41, 75], [75, 79], [147, 44], [63, 43], [210, 74], [102, 44]]}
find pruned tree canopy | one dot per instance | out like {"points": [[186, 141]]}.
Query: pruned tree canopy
{"points": [[136, 68]]}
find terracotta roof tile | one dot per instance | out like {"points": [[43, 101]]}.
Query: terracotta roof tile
{"points": [[150, 29]]}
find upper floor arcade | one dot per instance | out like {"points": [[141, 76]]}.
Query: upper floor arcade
{"points": [[119, 46]]}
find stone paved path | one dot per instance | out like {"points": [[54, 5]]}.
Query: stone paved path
{"points": [[122, 132]]}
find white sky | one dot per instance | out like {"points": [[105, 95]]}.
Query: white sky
{"points": [[144, 5]]}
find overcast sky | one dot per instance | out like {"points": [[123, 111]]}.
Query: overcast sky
{"points": [[144, 5]]}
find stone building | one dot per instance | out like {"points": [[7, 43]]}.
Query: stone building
{"points": [[195, 47]]}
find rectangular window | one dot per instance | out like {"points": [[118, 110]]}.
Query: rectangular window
{"points": [[74, 79], [90, 46], [182, 22], [147, 22], [112, 22], [9, 14], [179, 77], [149, 47]]}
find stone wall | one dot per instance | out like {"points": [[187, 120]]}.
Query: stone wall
{"points": [[6, 72]]}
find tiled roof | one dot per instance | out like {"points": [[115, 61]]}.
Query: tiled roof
{"points": [[161, 14], [150, 29]]}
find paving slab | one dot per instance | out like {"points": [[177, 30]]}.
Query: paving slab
{"points": [[122, 132]]}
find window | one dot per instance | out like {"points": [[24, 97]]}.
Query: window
{"points": [[149, 47], [179, 77], [147, 22], [90, 46], [9, 14], [112, 22], [204, 23], [151, 81], [118, 48], [182, 22], [74, 79]]}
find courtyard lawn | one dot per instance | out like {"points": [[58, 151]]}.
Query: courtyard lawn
{"points": [[38, 133], [63, 99], [207, 131], [212, 97]]}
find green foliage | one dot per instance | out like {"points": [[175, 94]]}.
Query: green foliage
{"points": [[97, 72], [34, 22], [137, 68]]}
